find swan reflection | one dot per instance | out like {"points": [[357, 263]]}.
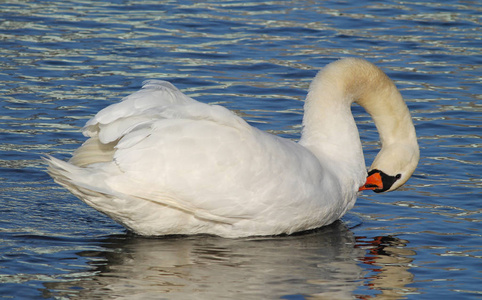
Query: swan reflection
{"points": [[390, 262], [323, 264]]}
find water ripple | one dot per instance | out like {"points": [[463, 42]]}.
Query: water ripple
{"points": [[60, 62]]}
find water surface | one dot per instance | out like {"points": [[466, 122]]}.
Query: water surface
{"points": [[62, 61]]}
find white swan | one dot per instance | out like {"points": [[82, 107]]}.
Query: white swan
{"points": [[162, 163]]}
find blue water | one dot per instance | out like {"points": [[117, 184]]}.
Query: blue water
{"points": [[61, 61]]}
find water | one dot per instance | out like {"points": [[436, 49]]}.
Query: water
{"points": [[61, 61]]}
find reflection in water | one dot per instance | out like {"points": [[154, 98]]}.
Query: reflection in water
{"points": [[317, 265], [390, 263]]}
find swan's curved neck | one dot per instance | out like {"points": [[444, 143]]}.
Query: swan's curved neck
{"points": [[329, 129]]}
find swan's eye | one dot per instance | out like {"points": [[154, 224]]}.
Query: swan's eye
{"points": [[398, 176]]}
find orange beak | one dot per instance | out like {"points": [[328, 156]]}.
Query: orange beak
{"points": [[374, 182]]}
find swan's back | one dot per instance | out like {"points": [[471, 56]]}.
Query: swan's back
{"points": [[156, 100]]}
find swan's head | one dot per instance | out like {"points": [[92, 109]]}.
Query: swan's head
{"points": [[392, 167]]}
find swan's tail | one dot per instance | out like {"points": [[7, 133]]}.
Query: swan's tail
{"points": [[59, 170], [84, 184], [64, 173], [91, 185]]}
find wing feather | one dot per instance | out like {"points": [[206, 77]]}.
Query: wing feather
{"points": [[156, 100]]}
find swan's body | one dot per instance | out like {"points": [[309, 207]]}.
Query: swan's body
{"points": [[162, 163]]}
